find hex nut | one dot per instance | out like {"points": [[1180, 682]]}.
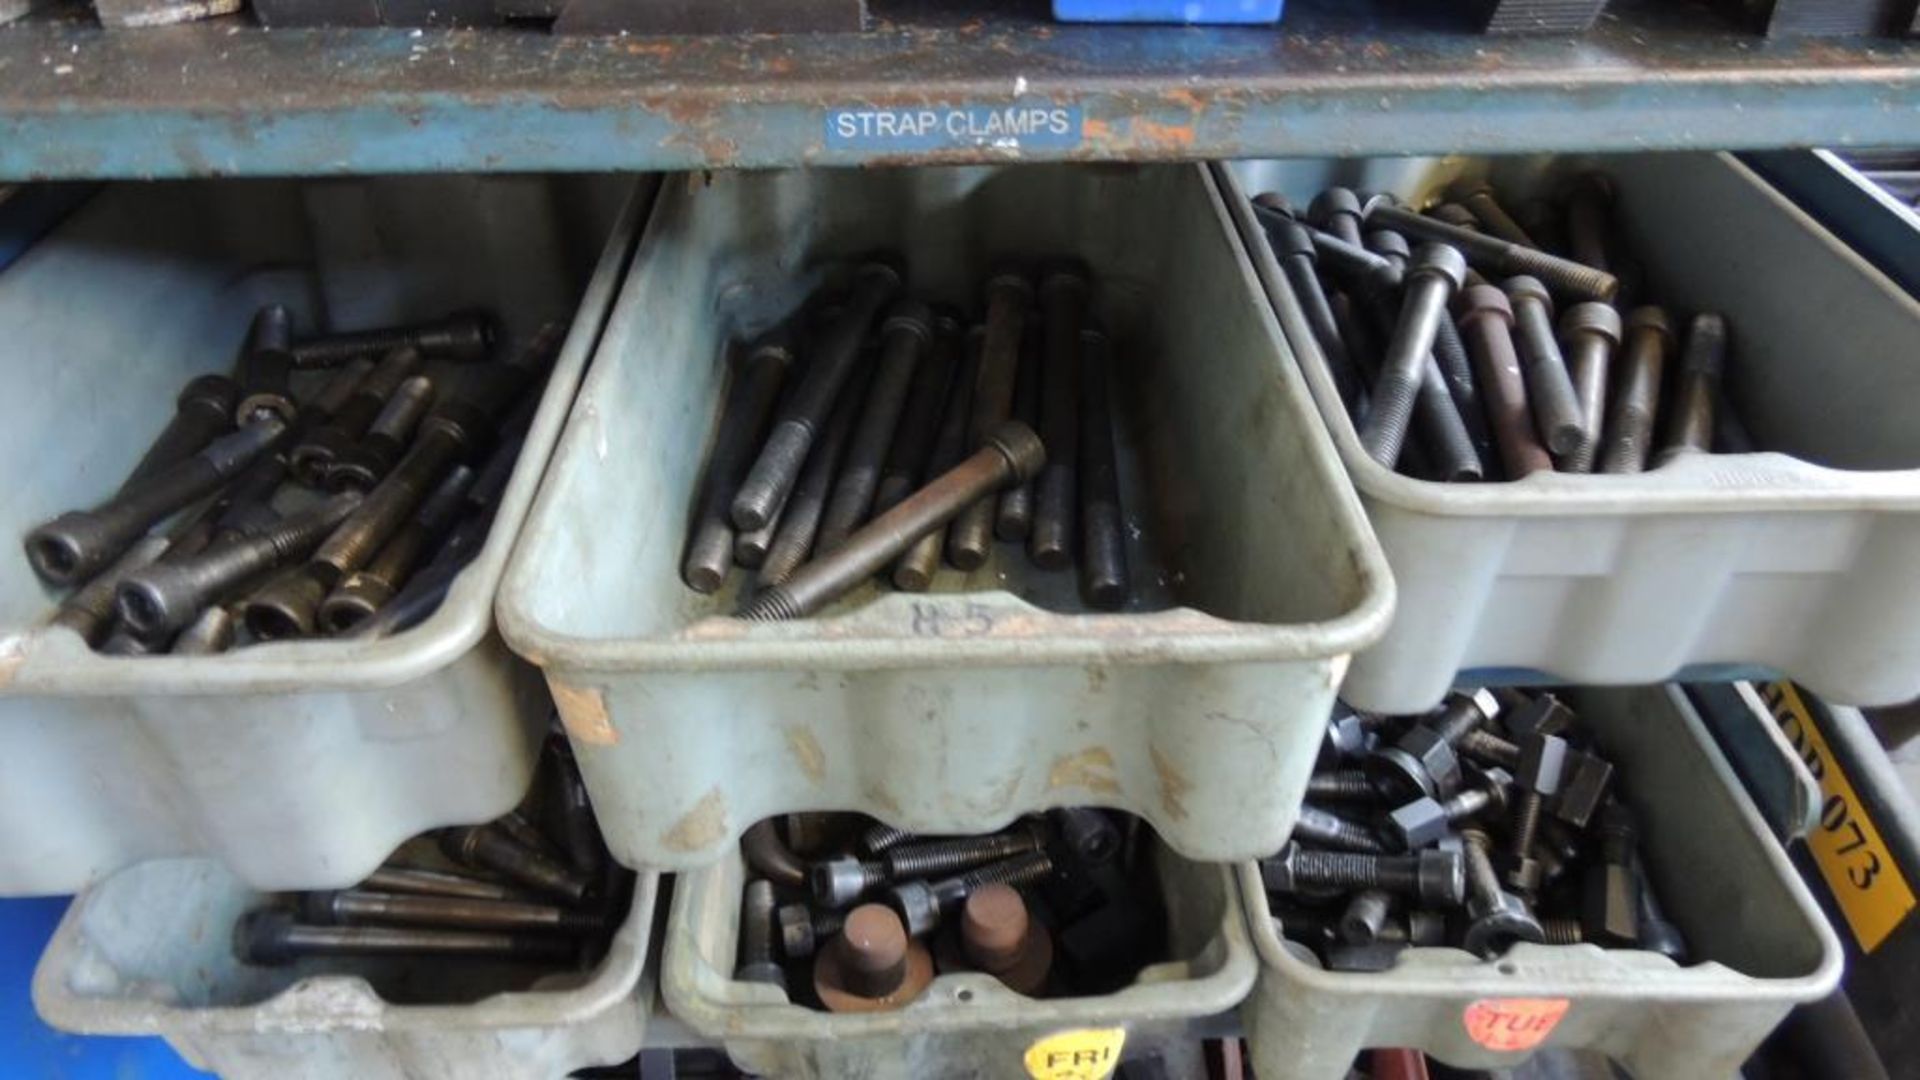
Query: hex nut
{"points": [[1417, 824]]}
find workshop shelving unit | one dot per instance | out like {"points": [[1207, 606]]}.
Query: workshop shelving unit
{"points": [[975, 81]]}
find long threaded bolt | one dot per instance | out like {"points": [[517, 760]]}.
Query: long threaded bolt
{"points": [[1009, 294], [1482, 883], [1063, 303], [1433, 275], [1489, 747], [355, 907], [1298, 252], [914, 571], [1326, 829], [1013, 509], [756, 390], [1463, 714], [1497, 256], [89, 610], [1013, 453], [796, 538], [272, 937], [919, 427], [77, 544], [464, 335], [1435, 876], [160, 599], [950, 856], [1589, 207], [266, 362], [881, 837], [203, 412], [834, 358], [1338, 211], [1019, 870], [1439, 419], [365, 464], [905, 336], [1477, 197], [1342, 785], [325, 444], [487, 847], [209, 635], [1589, 333], [756, 936], [406, 879], [1636, 399], [1690, 418], [1104, 578], [1556, 408], [1486, 321], [366, 590]]}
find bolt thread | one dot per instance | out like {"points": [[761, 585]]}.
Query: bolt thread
{"points": [[948, 856], [1388, 416], [1019, 870], [339, 348], [772, 605], [1332, 830], [1466, 804], [1443, 431], [1526, 822], [1450, 354], [390, 504], [1561, 275], [881, 837], [1562, 931], [1355, 870], [1482, 883], [1341, 785], [1457, 719], [1489, 747]]}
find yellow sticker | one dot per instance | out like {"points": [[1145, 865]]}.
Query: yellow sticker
{"points": [[1081, 1054], [1861, 872]]}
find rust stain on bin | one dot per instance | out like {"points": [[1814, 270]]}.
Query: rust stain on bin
{"points": [[1091, 769], [701, 827], [583, 712], [1174, 785], [807, 753]]}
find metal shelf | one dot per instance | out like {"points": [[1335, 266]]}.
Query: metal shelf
{"points": [[225, 97]]}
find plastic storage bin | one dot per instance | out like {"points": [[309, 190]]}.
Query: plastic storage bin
{"points": [[1168, 11], [302, 764], [148, 952], [962, 1025], [1759, 942], [1809, 565], [953, 712]]}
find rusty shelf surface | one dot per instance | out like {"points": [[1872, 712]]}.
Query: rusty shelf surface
{"points": [[990, 82]]}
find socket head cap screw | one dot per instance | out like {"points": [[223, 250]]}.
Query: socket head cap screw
{"points": [[1591, 317], [1439, 260]]}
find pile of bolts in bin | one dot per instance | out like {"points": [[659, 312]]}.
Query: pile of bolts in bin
{"points": [[842, 455], [1058, 904], [534, 886], [1489, 822], [260, 514], [1492, 390]]}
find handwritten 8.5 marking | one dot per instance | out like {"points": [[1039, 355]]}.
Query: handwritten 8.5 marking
{"points": [[952, 620]]}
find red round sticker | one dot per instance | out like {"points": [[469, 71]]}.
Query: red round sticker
{"points": [[1508, 1024]]}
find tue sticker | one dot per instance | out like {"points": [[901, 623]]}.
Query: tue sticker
{"points": [[1508, 1024]]}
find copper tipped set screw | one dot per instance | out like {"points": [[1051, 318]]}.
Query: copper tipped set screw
{"points": [[1058, 904], [1469, 351], [299, 496], [880, 439]]}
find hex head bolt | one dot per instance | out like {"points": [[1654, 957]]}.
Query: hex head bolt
{"points": [[266, 365], [1542, 768], [1013, 509], [78, 543], [487, 847], [356, 907], [461, 336], [794, 540], [1589, 209], [1338, 211], [89, 610], [1009, 295], [1341, 785], [313, 455], [1425, 821], [802, 929], [1299, 250], [202, 412], [1365, 916], [873, 966], [1330, 830], [1433, 876], [1013, 453], [1063, 306], [1556, 408], [214, 632], [369, 588], [272, 937], [1610, 911], [1477, 196], [1496, 256], [999, 936], [1499, 918], [905, 336], [1486, 321], [1636, 396], [158, 600], [757, 964], [837, 353], [756, 390], [1690, 417], [914, 571], [923, 904], [1105, 581], [1589, 333], [1431, 278], [1421, 762]]}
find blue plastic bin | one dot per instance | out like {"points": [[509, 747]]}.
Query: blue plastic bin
{"points": [[1168, 11]]}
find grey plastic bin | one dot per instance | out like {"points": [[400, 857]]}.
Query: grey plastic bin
{"points": [[953, 712], [1722, 879], [1808, 567], [963, 1025], [300, 764], [148, 952]]}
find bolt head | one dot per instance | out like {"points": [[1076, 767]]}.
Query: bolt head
{"points": [[1389, 243], [1436, 757], [1021, 446], [917, 905], [1373, 957], [1332, 203], [1541, 715], [1589, 777], [1292, 239], [1417, 824], [1426, 928], [795, 924], [1484, 302], [837, 882], [1499, 922], [1277, 873], [911, 316], [1591, 318], [1524, 287], [1442, 877], [1523, 873], [1652, 319], [1441, 261], [1543, 763], [260, 937], [1348, 736]]}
